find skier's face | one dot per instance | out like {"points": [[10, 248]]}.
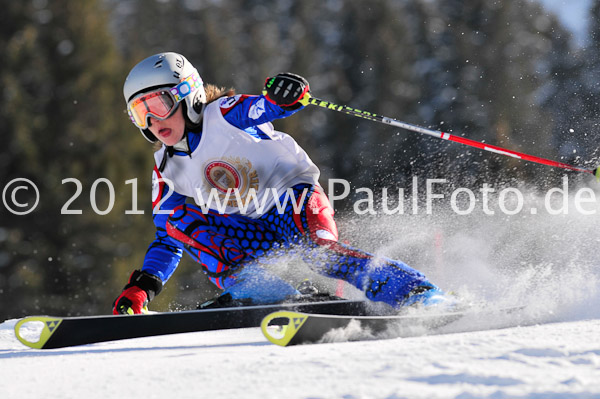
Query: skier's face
{"points": [[169, 131]]}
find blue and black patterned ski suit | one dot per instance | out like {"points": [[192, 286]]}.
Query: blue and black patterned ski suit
{"points": [[232, 249]]}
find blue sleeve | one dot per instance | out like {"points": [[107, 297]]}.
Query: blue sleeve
{"points": [[164, 253], [244, 111]]}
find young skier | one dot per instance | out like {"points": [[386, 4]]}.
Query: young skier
{"points": [[256, 193]]}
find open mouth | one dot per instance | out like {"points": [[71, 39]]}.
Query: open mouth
{"points": [[164, 132]]}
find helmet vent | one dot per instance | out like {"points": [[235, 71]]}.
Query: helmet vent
{"points": [[158, 64]]}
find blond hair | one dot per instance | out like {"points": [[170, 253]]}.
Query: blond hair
{"points": [[213, 92]]}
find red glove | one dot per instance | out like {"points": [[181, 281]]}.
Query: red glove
{"points": [[140, 290], [133, 300]]}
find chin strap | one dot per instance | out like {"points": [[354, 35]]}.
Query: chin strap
{"points": [[182, 146]]}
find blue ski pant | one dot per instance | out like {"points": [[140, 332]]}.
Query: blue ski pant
{"points": [[224, 244]]}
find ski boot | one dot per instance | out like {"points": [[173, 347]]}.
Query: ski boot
{"points": [[430, 296], [253, 285], [309, 292]]}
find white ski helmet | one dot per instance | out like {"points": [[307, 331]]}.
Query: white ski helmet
{"points": [[167, 70]]}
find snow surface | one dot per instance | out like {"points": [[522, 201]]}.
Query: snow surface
{"points": [[555, 360], [549, 350]]}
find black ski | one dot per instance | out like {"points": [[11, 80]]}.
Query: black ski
{"points": [[59, 332], [287, 328]]}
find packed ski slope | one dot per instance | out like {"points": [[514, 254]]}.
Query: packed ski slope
{"points": [[556, 360], [550, 350]]}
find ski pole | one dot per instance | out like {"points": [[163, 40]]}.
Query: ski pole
{"points": [[441, 135]]}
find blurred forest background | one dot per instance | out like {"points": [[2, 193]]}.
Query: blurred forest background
{"points": [[503, 72]]}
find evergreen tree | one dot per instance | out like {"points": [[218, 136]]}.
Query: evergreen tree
{"points": [[63, 118], [499, 72], [479, 69]]}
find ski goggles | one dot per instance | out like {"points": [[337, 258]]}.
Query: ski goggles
{"points": [[161, 103]]}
